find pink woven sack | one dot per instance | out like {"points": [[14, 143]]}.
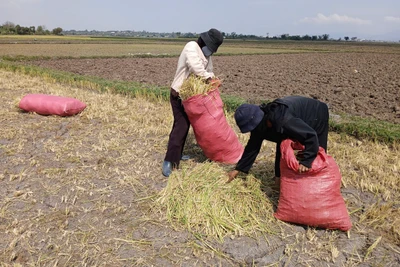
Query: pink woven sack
{"points": [[51, 105], [312, 198], [213, 133]]}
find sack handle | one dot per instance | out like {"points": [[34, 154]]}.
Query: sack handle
{"points": [[287, 155]]}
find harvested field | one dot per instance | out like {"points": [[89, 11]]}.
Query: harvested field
{"points": [[88, 191], [362, 84], [84, 190]]}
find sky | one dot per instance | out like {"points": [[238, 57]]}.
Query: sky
{"points": [[364, 19]]}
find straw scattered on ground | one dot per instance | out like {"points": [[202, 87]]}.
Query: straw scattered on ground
{"points": [[88, 190]]}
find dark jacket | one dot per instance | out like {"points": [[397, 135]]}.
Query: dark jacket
{"points": [[298, 118]]}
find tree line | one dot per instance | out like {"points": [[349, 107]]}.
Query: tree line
{"points": [[11, 28]]}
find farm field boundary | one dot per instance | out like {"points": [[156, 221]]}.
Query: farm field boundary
{"points": [[100, 46]]}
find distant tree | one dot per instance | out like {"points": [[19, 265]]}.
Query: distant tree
{"points": [[18, 29], [189, 35], [325, 37], [21, 30], [295, 37], [346, 38], [26, 30], [353, 38], [8, 24], [32, 30], [306, 37], [314, 38], [40, 30], [8, 27], [284, 36], [57, 31], [233, 35]]}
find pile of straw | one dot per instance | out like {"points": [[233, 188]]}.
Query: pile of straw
{"points": [[195, 85], [199, 199]]}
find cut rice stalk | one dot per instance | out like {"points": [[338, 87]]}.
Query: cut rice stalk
{"points": [[195, 85], [198, 198]]}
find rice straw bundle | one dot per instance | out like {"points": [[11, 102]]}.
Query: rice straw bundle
{"points": [[199, 199], [194, 85]]}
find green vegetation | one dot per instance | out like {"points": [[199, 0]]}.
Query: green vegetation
{"points": [[16, 29], [369, 128]]}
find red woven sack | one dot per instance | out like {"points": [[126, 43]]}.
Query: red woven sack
{"points": [[213, 133], [312, 198], [51, 105]]}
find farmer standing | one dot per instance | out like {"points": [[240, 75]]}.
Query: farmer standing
{"points": [[195, 58], [299, 118]]}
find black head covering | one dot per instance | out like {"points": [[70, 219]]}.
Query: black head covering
{"points": [[213, 39], [247, 117]]}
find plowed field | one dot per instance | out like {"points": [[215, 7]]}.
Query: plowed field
{"points": [[362, 84]]}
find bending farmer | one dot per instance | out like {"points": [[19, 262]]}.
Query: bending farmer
{"points": [[299, 118]]}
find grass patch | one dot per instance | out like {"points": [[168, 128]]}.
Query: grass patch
{"points": [[366, 128], [102, 85]]}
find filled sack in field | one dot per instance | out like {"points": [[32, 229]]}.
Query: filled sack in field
{"points": [[51, 105], [312, 198], [213, 133]]}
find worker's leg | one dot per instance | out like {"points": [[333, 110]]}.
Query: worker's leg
{"points": [[178, 133]]}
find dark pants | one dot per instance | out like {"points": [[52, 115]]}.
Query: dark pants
{"points": [[179, 131]]}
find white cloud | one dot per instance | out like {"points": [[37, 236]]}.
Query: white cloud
{"points": [[335, 19], [392, 19]]}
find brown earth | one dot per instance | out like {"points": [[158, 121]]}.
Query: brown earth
{"points": [[362, 84]]}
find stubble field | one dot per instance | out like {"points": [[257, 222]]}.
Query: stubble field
{"points": [[87, 190]]}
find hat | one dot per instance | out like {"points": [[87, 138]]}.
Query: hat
{"points": [[213, 39], [247, 117]]}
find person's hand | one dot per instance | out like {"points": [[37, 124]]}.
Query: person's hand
{"points": [[232, 175], [303, 168], [216, 82]]}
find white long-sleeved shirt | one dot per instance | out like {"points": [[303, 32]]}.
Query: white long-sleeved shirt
{"points": [[192, 61]]}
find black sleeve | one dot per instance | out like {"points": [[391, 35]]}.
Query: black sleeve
{"points": [[298, 130], [278, 160], [250, 153]]}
